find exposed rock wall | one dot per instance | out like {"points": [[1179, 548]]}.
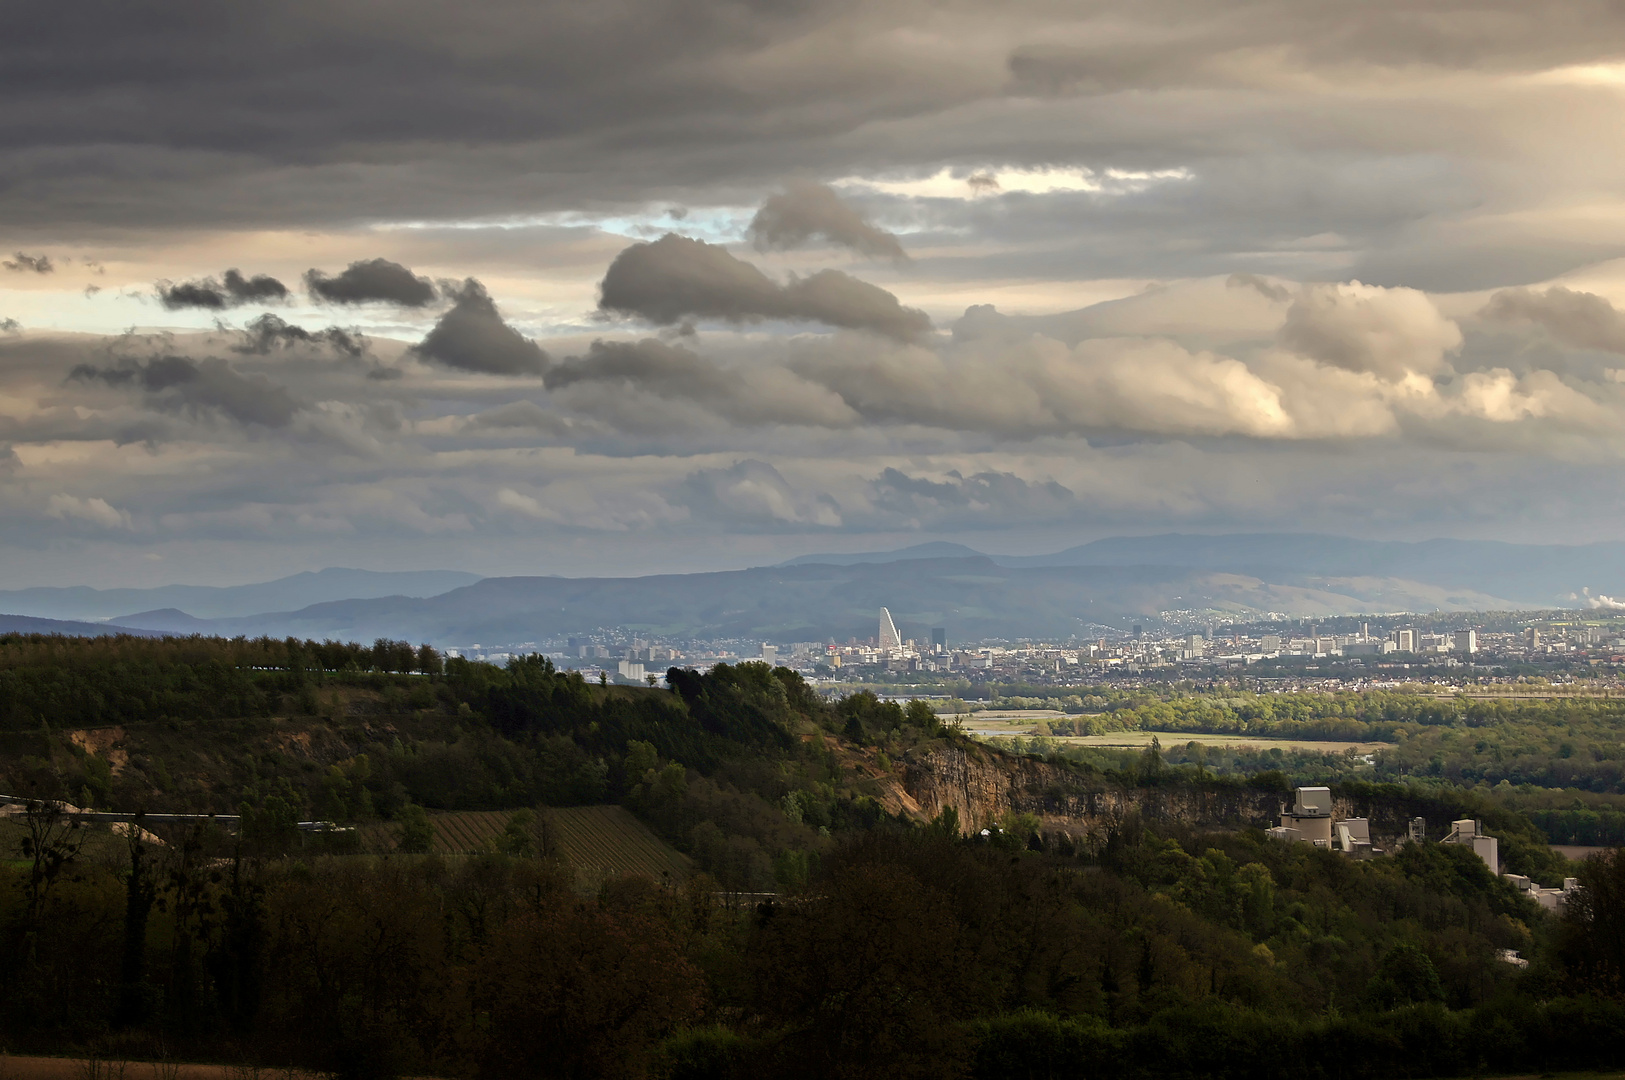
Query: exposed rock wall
{"points": [[985, 785]]}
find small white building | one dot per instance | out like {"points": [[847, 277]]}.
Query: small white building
{"points": [[1550, 899]]}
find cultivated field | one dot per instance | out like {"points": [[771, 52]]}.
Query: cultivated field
{"points": [[608, 841], [601, 842], [1005, 723]]}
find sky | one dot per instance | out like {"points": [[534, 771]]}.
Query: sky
{"points": [[667, 285]]}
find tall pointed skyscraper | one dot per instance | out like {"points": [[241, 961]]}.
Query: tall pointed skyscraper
{"points": [[888, 632]]}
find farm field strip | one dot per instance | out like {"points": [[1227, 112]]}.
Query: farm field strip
{"points": [[599, 840], [609, 839]]}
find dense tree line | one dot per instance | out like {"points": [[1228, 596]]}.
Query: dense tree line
{"points": [[122, 679], [906, 952]]}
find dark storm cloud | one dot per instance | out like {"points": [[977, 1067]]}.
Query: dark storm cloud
{"points": [[371, 281], [675, 278], [1580, 319], [804, 211], [654, 364], [473, 337], [158, 118], [260, 287], [192, 294], [180, 384], [233, 289], [30, 264], [1142, 52], [268, 333]]}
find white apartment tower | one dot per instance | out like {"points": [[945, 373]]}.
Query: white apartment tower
{"points": [[888, 633]]}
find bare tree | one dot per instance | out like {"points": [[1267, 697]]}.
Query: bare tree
{"points": [[53, 842]]}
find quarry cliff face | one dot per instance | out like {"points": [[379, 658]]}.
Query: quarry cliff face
{"points": [[985, 785]]}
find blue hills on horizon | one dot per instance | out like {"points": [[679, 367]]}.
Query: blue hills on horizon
{"points": [[813, 597], [85, 604], [1535, 575]]}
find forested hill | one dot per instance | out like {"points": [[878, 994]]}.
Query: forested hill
{"points": [[1141, 943]]}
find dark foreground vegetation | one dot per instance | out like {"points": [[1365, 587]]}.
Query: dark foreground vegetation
{"points": [[891, 947]]}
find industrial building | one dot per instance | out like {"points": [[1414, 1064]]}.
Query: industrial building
{"points": [[1550, 899], [1470, 833], [1311, 821]]}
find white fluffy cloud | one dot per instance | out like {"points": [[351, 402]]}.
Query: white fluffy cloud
{"points": [[1390, 333], [1236, 400]]}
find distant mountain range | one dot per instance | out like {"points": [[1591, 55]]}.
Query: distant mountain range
{"points": [[1524, 575], [219, 602], [23, 624], [1105, 583]]}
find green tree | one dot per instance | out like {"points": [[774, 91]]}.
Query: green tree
{"points": [[922, 716], [270, 827], [641, 757], [417, 831], [518, 837], [1405, 977], [1592, 941]]}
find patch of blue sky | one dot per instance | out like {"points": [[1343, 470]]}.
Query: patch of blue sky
{"points": [[713, 224], [965, 182]]}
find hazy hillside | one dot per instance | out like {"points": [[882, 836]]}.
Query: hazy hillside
{"points": [[1539, 574], [1108, 582], [939, 549], [973, 598], [215, 602], [23, 624], [1534, 575]]}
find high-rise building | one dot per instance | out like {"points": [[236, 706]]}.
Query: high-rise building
{"points": [[770, 654], [1466, 641], [1406, 640], [939, 639], [1531, 638], [888, 632]]}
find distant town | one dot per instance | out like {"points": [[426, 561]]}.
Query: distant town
{"points": [[1362, 651]]}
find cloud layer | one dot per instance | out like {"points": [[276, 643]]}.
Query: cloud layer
{"points": [[658, 284]]}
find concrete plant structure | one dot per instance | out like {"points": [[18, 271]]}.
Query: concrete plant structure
{"points": [[1550, 899], [1470, 833], [1311, 821]]}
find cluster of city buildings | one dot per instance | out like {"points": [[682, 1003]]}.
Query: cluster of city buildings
{"points": [[1283, 650]]}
